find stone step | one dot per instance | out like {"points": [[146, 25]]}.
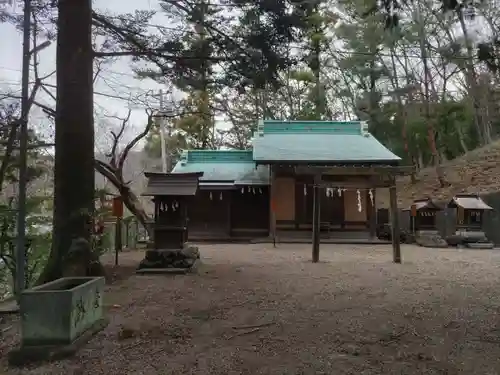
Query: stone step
{"points": [[480, 245]]}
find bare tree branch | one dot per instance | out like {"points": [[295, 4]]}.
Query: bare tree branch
{"points": [[117, 137], [134, 141]]}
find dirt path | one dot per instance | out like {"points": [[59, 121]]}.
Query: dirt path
{"points": [[354, 313]]}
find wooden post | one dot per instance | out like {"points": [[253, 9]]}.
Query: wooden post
{"points": [[118, 238], [396, 248], [118, 213], [229, 198], [272, 206], [316, 219], [413, 218], [127, 233]]}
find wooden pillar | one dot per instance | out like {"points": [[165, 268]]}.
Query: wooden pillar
{"points": [[396, 247], [272, 206], [316, 219], [118, 238], [228, 195], [185, 218]]}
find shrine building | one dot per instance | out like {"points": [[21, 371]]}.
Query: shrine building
{"points": [[267, 192]]}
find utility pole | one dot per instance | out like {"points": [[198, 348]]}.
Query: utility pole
{"points": [[23, 154], [162, 136]]}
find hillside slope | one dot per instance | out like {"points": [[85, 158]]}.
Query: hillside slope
{"points": [[477, 171]]}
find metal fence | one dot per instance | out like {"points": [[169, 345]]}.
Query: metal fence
{"points": [[132, 233]]}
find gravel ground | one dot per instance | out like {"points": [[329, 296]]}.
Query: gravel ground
{"points": [[253, 310]]}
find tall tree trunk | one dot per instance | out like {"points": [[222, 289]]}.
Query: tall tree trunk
{"points": [[428, 117], [461, 139], [315, 65], [482, 128], [204, 95], [401, 112], [74, 128]]}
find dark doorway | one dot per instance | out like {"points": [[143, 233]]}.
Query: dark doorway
{"points": [[208, 214], [250, 211]]}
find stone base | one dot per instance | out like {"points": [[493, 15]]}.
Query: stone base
{"points": [[464, 238], [183, 258], [162, 271], [9, 307], [480, 245], [45, 353], [430, 239]]}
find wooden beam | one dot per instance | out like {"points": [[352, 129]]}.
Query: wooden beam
{"points": [[396, 246], [356, 170], [370, 184], [316, 219]]}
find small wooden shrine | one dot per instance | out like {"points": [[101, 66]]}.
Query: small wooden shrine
{"points": [[423, 224], [423, 215], [470, 209], [171, 193]]}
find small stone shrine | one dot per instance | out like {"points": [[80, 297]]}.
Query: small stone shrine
{"points": [[470, 209], [423, 225], [171, 193]]}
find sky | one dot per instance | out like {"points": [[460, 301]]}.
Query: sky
{"points": [[116, 80]]}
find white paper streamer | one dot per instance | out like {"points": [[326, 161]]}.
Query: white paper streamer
{"points": [[360, 206]]}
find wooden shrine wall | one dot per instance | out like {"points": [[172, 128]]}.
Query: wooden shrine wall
{"points": [[352, 216], [303, 203], [293, 203], [250, 210], [208, 212], [283, 198]]}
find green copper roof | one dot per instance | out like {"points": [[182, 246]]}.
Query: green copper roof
{"points": [[307, 127], [223, 165], [218, 156], [318, 141]]}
